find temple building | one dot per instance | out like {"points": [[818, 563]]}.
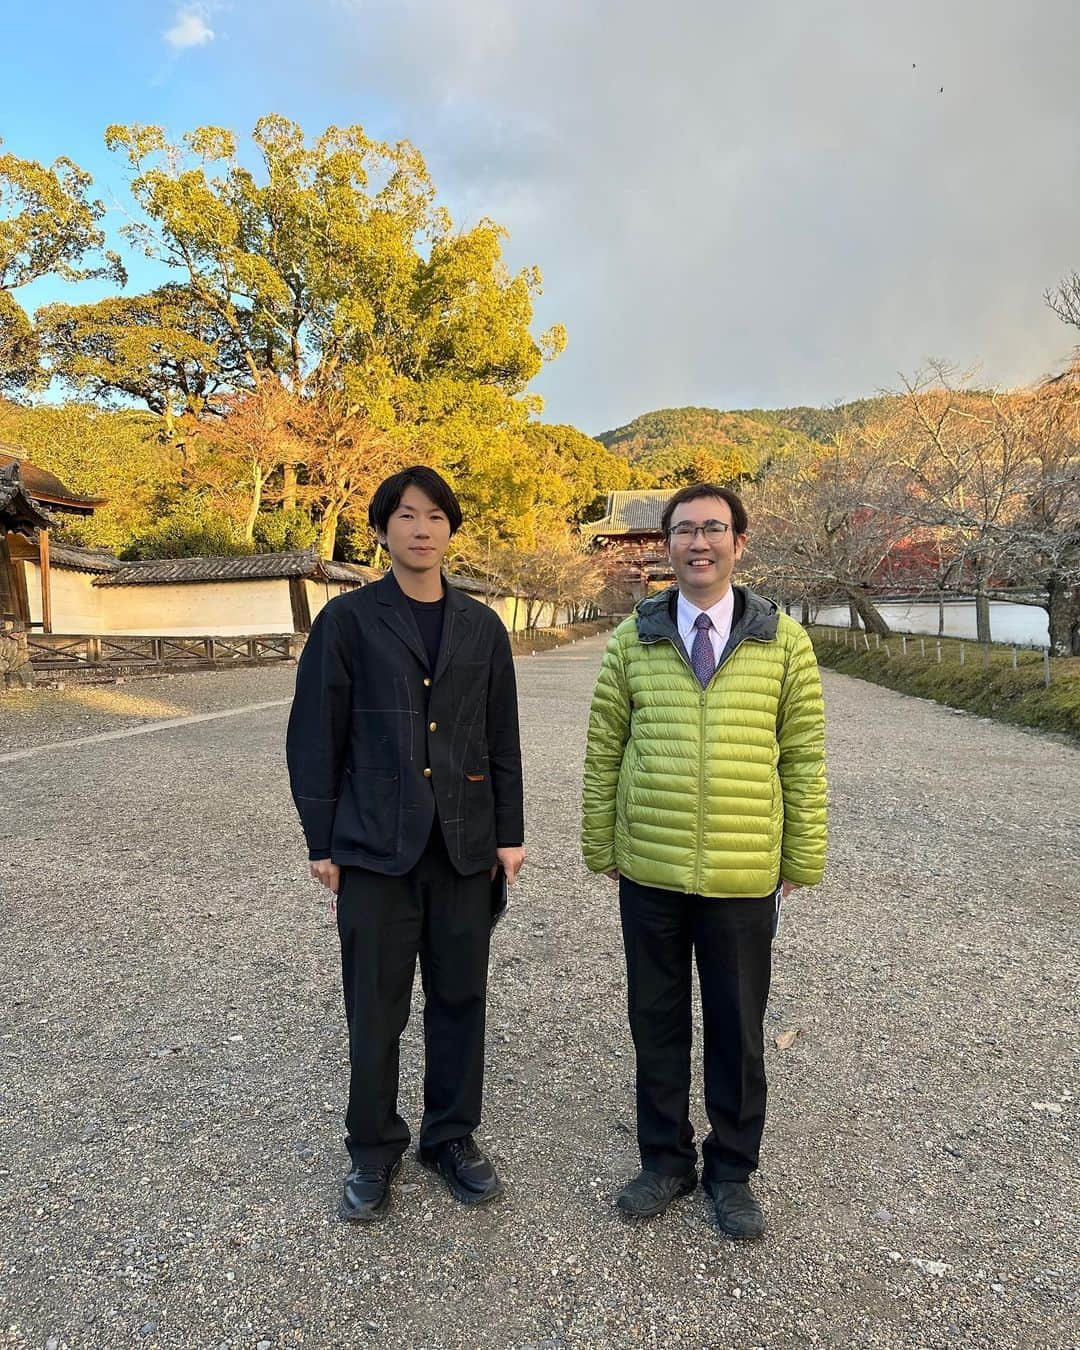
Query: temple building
{"points": [[630, 535], [31, 500]]}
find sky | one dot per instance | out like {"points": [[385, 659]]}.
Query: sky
{"points": [[732, 205]]}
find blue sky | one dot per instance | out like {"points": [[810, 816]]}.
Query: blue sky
{"points": [[732, 205]]}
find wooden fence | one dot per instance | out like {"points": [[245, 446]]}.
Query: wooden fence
{"points": [[899, 646], [51, 651]]}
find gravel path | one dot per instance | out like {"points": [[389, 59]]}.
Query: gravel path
{"points": [[172, 1058]]}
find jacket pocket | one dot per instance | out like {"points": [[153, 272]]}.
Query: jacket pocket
{"points": [[369, 812], [478, 812], [776, 815]]}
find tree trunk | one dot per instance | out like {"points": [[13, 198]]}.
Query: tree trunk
{"points": [[805, 615], [982, 612], [1063, 612], [328, 533], [256, 504], [861, 604], [853, 614], [941, 616], [288, 487]]}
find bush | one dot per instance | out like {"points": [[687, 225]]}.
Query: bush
{"points": [[284, 531], [190, 531]]}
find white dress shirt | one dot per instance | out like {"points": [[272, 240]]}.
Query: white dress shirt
{"points": [[721, 615]]}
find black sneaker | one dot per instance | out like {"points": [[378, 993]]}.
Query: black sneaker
{"points": [[366, 1193], [650, 1193], [467, 1171], [738, 1213]]}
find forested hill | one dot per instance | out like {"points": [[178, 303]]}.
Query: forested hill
{"points": [[680, 444], [820, 424]]}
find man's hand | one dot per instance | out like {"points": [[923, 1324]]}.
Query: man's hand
{"points": [[327, 874], [613, 873], [511, 860], [788, 887]]}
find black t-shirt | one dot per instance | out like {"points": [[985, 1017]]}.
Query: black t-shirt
{"points": [[429, 620]]}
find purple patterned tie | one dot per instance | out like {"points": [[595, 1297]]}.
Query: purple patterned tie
{"points": [[701, 653]]}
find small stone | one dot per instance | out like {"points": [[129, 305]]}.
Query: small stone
{"points": [[262, 1345], [881, 1216]]}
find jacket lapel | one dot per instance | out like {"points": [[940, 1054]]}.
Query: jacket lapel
{"points": [[396, 614], [455, 630]]}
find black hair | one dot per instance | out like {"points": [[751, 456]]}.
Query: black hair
{"points": [[694, 492], [387, 496]]}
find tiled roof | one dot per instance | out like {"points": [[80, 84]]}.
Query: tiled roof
{"points": [[21, 510], [471, 585], [631, 513], [339, 571], [45, 486], [247, 567], [84, 559]]}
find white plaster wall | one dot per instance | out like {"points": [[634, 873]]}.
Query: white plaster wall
{"points": [[200, 609], [1026, 625], [319, 592], [76, 603], [513, 611], [197, 609]]}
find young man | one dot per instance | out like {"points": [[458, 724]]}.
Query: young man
{"points": [[405, 766], [705, 798]]}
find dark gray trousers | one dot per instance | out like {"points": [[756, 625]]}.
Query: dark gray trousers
{"points": [[663, 932], [384, 924]]}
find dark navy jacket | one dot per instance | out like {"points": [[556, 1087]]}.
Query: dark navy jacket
{"points": [[378, 742]]}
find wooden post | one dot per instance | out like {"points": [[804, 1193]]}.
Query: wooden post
{"points": [[922, 647], [939, 653], [1014, 658], [963, 654], [46, 581], [903, 645], [888, 653], [1046, 666], [866, 639], [877, 642]]}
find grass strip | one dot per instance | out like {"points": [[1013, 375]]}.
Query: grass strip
{"points": [[989, 686]]}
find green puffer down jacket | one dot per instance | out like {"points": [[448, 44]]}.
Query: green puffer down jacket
{"points": [[717, 791]]}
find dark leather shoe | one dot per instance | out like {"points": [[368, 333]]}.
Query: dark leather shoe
{"points": [[366, 1193], [738, 1213], [650, 1193], [466, 1170]]}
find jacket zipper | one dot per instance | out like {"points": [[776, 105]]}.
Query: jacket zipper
{"points": [[700, 850]]}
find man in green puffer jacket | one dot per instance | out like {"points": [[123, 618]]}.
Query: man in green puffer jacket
{"points": [[704, 798]]}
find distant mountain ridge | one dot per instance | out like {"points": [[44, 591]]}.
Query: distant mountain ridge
{"points": [[679, 444]]}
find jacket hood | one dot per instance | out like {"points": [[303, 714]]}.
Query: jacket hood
{"points": [[654, 620]]}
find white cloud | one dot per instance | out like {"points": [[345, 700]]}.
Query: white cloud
{"points": [[736, 205], [189, 29]]}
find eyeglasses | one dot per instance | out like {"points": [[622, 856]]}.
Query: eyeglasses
{"points": [[684, 532]]}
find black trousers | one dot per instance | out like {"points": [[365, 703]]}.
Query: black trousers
{"points": [[384, 923], [732, 942]]}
